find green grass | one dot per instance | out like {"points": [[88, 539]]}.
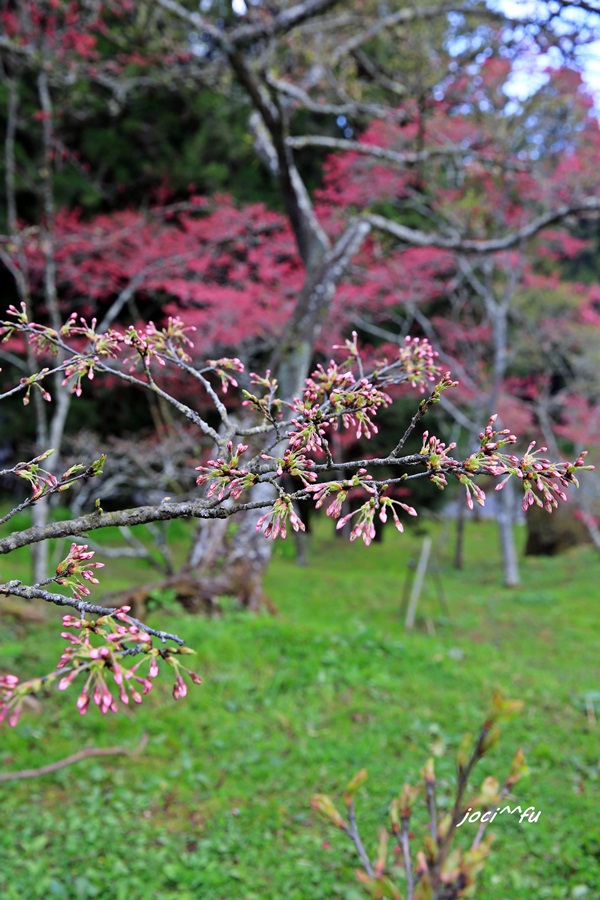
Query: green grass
{"points": [[217, 806]]}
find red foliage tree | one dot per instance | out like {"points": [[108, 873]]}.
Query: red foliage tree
{"points": [[450, 165]]}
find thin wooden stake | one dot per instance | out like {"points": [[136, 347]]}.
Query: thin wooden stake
{"points": [[417, 584]]}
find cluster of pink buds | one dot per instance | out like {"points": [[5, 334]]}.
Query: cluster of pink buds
{"points": [[76, 564], [492, 441], [99, 651], [388, 503], [321, 492], [119, 636], [152, 343], [225, 368], [277, 518], [365, 526], [107, 344], [35, 381], [361, 480], [171, 657], [79, 366], [40, 479], [226, 477], [296, 464], [148, 343], [335, 392], [309, 429], [19, 315], [418, 362], [177, 334], [358, 407], [473, 491], [269, 405], [11, 699], [537, 473], [437, 459], [322, 381]]}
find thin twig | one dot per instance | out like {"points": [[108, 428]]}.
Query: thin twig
{"points": [[352, 832], [86, 753], [404, 843], [16, 589]]}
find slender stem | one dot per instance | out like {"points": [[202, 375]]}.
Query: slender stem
{"points": [[16, 589], [86, 753], [431, 807], [405, 844], [9, 155], [352, 832]]}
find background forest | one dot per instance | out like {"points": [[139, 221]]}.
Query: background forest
{"points": [[276, 188]]}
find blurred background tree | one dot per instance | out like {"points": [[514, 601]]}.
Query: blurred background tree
{"points": [[281, 174]]}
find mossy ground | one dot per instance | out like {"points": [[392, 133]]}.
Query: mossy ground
{"points": [[218, 804]]}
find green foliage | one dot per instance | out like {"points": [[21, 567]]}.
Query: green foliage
{"points": [[217, 806]]}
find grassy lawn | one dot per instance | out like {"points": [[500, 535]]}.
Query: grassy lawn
{"points": [[218, 804]]}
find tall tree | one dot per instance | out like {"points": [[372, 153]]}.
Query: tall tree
{"points": [[314, 65]]}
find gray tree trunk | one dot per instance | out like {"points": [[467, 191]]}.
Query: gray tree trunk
{"points": [[505, 519]]}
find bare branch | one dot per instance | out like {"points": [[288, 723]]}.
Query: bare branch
{"points": [[403, 16], [16, 589], [481, 245], [345, 108], [402, 159], [282, 22], [86, 753]]}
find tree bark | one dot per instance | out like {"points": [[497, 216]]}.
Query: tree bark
{"points": [[460, 537], [497, 308], [505, 519]]}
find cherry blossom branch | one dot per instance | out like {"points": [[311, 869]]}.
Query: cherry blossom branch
{"points": [[44, 482], [16, 589], [337, 396]]}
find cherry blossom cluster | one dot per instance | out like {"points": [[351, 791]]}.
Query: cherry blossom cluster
{"points": [[296, 464], [226, 477], [91, 348], [418, 361], [289, 449], [277, 517], [269, 406], [543, 481], [376, 504], [41, 338], [35, 381], [98, 651], [541, 475], [225, 368], [334, 396], [75, 566], [42, 482], [151, 342]]}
